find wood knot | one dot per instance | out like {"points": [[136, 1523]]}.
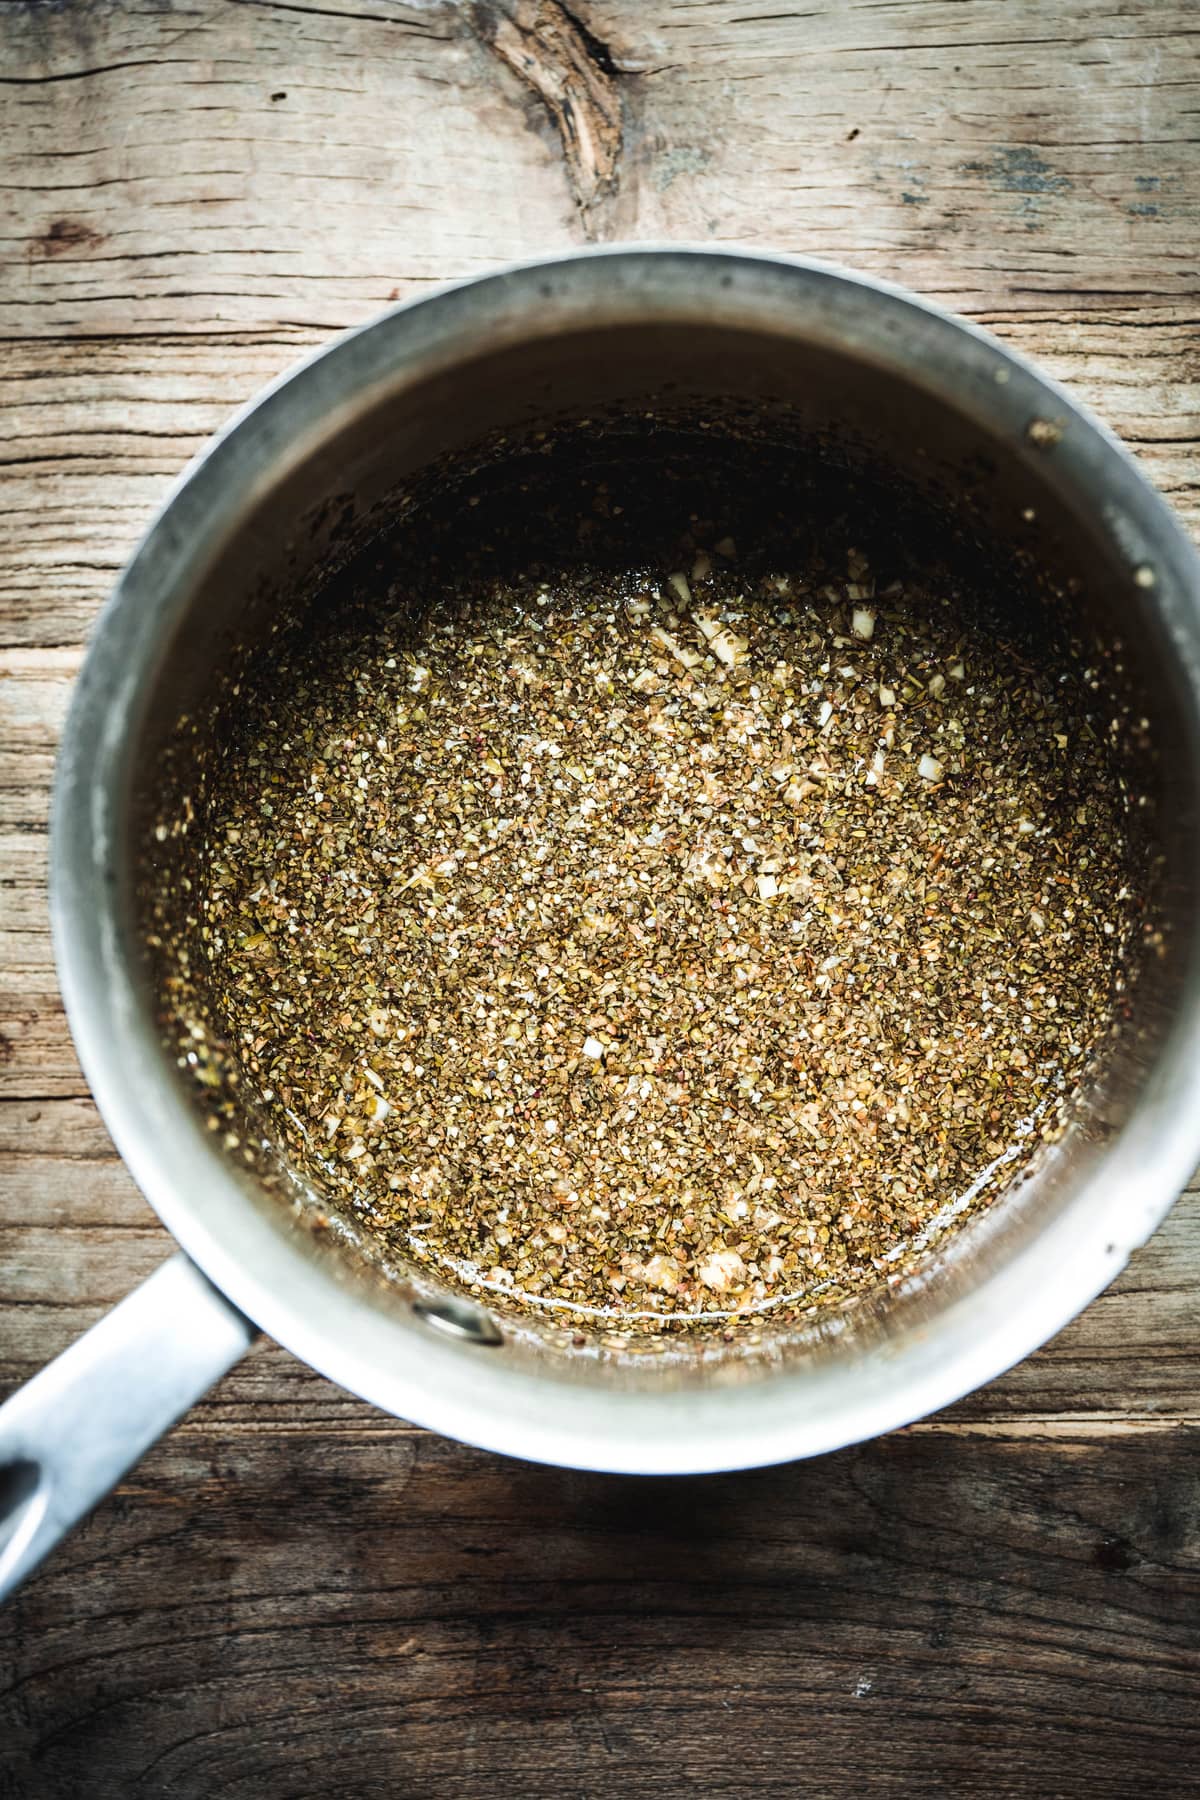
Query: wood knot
{"points": [[574, 76], [62, 236]]}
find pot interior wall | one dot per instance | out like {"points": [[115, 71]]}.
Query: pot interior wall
{"points": [[1002, 493]]}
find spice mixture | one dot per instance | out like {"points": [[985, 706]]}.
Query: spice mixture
{"points": [[691, 941]]}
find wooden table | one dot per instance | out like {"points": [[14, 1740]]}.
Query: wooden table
{"points": [[294, 1595]]}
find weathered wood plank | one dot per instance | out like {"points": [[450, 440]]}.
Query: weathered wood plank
{"points": [[296, 1595], [279, 164], [930, 1614], [299, 162], [95, 433]]}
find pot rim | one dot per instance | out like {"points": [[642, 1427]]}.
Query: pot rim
{"points": [[463, 1390]]}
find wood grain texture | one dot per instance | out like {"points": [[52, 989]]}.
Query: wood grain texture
{"points": [[294, 1595], [925, 1615]]}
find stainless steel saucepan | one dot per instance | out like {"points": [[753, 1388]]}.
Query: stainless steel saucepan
{"points": [[860, 362]]}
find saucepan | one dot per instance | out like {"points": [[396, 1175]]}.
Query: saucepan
{"points": [[315, 458]]}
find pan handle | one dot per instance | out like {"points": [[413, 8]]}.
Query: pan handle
{"points": [[70, 1434]]}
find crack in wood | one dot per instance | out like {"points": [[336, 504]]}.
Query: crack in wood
{"points": [[573, 74], [417, 26]]}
